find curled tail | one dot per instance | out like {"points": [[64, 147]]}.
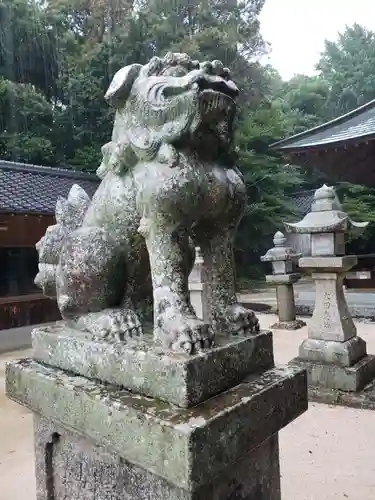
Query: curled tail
{"points": [[69, 214]]}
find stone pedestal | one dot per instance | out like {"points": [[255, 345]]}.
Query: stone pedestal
{"points": [[70, 466], [334, 356], [202, 427]]}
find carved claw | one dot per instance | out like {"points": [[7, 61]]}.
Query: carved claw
{"points": [[194, 340], [115, 324], [238, 321], [184, 333]]}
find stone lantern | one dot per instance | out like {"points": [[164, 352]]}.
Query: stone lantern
{"points": [[335, 357], [284, 275]]}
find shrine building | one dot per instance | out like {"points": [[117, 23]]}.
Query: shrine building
{"points": [[28, 196], [344, 150]]}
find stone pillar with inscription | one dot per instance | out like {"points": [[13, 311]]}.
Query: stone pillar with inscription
{"points": [[334, 355], [284, 275]]}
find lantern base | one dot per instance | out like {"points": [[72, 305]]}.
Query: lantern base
{"points": [[346, 353], [364, 400], [334, 377]]}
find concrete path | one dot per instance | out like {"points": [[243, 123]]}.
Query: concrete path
{"points": [[326, 454], [16, 338], [361, 303], [16, 444]]}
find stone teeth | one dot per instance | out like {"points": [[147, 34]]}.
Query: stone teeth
{"points": [[215, 101]]}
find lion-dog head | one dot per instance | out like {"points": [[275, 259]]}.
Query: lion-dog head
{"points": [[169, 105]]}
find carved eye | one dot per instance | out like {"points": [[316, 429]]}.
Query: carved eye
{"points": [[174, 71], [217, 67], [206, 67], [226, 74]]}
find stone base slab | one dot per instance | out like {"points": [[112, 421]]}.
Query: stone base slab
{"points": [[282, 279], [68, 466], [288, 325], [327, 264], [337, 353], [186, 447], [142, 367], [363, 400], [330, 376]]}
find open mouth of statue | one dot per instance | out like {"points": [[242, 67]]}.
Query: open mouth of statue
{"points": [[219, 86], [216, 99], [216, 105]]}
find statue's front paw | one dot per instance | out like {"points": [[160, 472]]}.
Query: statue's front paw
{"points": [[184, 333], [114, 324], [238, 320]]}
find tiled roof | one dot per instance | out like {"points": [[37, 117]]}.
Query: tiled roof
{"points": [[356, 125], [32, 189], [303, 200]]}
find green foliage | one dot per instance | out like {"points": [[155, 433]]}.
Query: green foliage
{"points": [[358, 202], [347, 65], [304, 101], [268, 183], [27, 148], [86, 158], [306, 94], [26, 122], [78, 45], [28, 45]]}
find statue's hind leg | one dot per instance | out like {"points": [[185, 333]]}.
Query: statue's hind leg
{"points": [[228, 315], [215, 239], [90, 283]]}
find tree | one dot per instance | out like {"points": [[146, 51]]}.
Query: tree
{"points": [[358, 202], [26, 124], [88, 60], [303, 99], [307, 94], [91, 20], [28, 45], [83, 120], [96, 38], [347, 65], [269, 183], [207, 30]]}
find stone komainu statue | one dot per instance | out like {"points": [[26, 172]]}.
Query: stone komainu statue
{"points": [[168, 184]]}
